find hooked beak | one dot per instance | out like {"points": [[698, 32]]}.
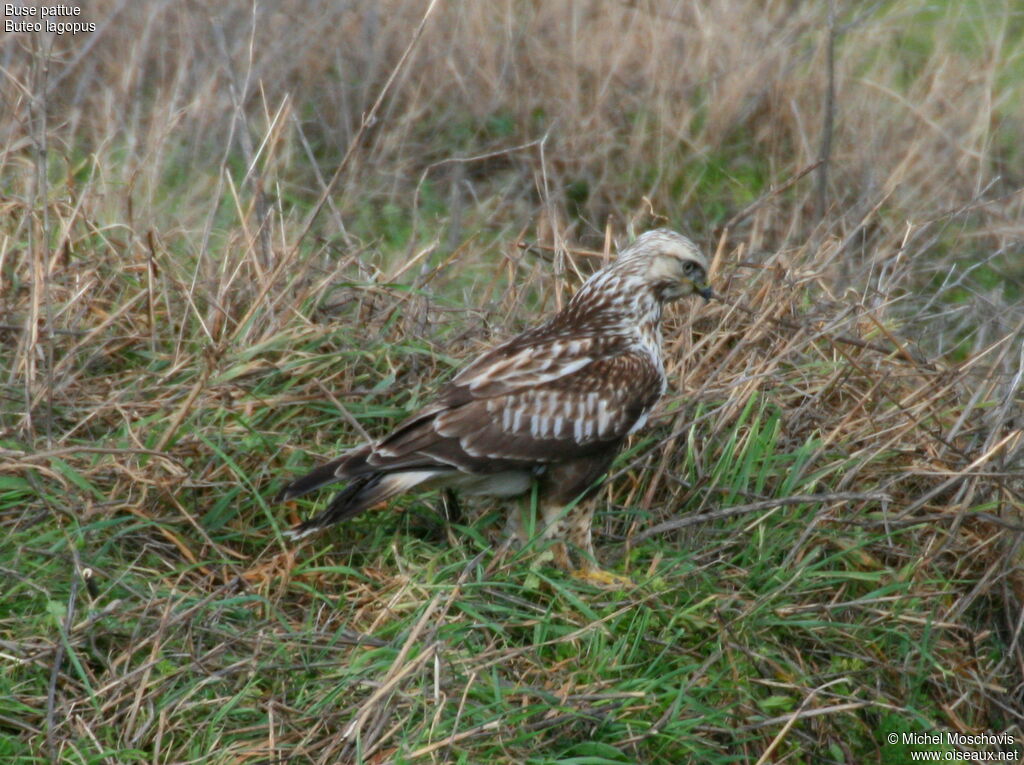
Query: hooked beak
{"points": [[704, 291]]}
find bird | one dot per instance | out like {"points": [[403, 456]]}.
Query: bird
{"points": [[548, 409]]}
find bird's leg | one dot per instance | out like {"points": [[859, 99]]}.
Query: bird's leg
{"points": [[514, 532], [451, 507], [580, 523], [512, 536], [561, 553], [553, 518]]}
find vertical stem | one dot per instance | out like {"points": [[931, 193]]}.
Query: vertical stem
{"points": [[825, 152], [39, 245]]}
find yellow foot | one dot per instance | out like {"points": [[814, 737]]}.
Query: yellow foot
{"points": [[602, 578]]}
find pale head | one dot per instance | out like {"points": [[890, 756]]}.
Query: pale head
{"points": [[670, 263]]}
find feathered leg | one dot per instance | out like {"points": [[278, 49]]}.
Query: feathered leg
{"points": [[579, 521], [554, 518]]}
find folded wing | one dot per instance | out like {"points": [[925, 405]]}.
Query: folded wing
{"points": [[514, 409]]}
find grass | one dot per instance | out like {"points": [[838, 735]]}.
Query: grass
{"points": [[822, 523]]}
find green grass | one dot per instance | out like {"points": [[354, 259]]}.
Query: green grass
{"points": [[724, 636], [153, 574]]}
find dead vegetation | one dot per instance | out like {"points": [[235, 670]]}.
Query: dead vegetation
{"points": [[216, 267]]}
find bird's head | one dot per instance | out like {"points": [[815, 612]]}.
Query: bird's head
{"points": [[669, 263]]}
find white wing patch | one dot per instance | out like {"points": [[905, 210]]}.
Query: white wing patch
{"points": [[588, 429], [553, 414], [640, 421], [521, 401], [603, 417]]}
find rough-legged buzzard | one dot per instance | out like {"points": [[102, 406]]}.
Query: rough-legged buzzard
{"points": [[552, 405]]}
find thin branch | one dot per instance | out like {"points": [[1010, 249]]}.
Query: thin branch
{"points": [[368, 120], [753, 507], [842, 339], [58, 657], [825, 153], [773, 191]]}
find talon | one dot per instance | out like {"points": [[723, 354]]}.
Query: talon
{"points": [[602, 578]]}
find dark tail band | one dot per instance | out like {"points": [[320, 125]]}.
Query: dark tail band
{"points": [[355, 498]]}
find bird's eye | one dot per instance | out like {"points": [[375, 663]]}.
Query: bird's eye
{"points": [[689, 268]]}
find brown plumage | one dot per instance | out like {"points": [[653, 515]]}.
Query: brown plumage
{"points": [[552, 405]]}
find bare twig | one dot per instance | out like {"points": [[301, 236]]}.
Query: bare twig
{"points": [[754, 507], [868, 346], [773, 191], [58, 657], [828, 119], [369, 120]]}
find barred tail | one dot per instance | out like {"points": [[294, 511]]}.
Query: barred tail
{"points": [[322, 476], [364, 491]]}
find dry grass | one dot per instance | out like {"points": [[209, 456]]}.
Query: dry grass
{"points": [[823, 524]]}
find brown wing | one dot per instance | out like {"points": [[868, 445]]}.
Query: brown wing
{"points": [[552, 351], [499, 425]]}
